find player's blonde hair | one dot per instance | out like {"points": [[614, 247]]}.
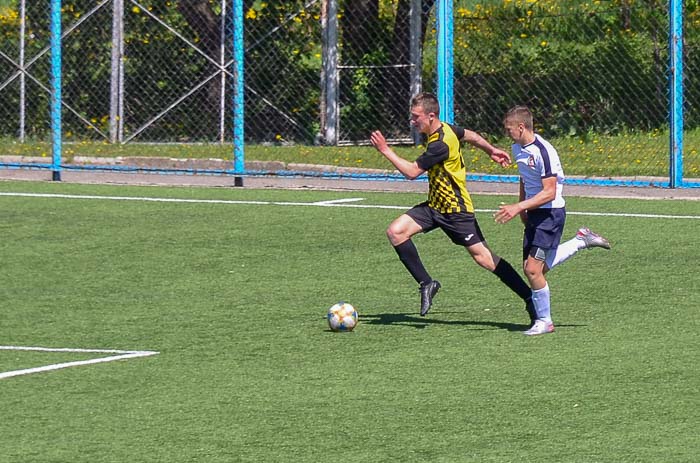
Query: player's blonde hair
{"points": [[521, 115]]}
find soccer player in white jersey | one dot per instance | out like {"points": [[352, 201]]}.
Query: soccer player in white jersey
{"points": [[541, 208]]}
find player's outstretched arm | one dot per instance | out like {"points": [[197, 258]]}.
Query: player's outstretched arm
{"points": [[497, 155], [410, 170]]}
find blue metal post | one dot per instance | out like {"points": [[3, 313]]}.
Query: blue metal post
{"points": [[445, 59], [238, 92], [56, 88], [676, 92]]}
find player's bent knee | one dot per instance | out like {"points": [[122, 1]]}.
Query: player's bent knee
{"points": [[396, 235], [533, 270], [401, 229]]}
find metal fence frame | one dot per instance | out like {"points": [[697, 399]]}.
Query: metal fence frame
{"points": [[234, 69]]}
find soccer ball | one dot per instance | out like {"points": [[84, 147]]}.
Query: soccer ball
{"points": [[342, 317]]}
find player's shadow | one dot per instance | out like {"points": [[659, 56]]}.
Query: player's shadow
{"points": [[418, 322]]}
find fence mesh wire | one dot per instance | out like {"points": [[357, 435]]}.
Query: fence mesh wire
{"points": [[282, 71], [691, 71], [24, 47], [589, 69]]}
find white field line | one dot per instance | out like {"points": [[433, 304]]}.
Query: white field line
{"points": [[122, 355], [335, 203]]}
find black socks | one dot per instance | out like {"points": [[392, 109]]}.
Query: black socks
{"points": [[512, 279], [408, 254]]}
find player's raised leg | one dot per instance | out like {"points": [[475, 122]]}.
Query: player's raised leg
{"points": [[584, 239]]}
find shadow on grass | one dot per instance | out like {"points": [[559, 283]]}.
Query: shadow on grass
{"points": [[419, 322]]}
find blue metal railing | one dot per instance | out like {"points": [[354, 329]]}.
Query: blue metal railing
{"points": [[445, 85]]}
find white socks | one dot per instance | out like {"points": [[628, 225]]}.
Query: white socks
{"points": [[540, 299], [563, 252]]}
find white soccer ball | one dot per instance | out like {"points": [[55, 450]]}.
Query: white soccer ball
{"points": [[342, 317]]}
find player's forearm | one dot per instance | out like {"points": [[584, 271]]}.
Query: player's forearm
{"points": [[478, 141], [408, 169], [541, 198]]}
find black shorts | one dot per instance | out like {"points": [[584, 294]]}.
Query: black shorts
{"points": [[461, 227], [543, 230]]}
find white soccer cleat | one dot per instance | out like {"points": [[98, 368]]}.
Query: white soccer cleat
{"points": [[592, 240], [540, 327]]}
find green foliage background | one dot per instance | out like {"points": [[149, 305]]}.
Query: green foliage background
{"points": [[583, 66], [594, 72]]}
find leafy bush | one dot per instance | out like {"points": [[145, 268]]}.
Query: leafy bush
{"points": [[582, 65]]}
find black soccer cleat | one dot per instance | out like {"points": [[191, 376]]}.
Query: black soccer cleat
{"points": [[427, 292]]}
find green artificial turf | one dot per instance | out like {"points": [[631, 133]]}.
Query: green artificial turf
{"points": [[232, 295]]}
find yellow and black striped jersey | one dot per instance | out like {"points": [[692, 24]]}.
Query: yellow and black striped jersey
{"points": [[447, 175]]}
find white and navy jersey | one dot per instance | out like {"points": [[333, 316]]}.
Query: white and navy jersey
{"points": [[536, 161]]}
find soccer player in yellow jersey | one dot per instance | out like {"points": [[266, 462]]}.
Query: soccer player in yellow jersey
{"points": [[449, 206]]}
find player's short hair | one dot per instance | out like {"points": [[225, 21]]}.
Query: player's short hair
{"points": [[521, 115], [427, 101]]}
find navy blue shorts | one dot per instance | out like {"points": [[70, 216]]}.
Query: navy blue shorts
{"points": [[461, 227], [543, 230]]}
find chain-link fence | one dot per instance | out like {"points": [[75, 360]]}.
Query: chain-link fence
{"points": [[329, 72], [282, 71], [589, 70], [144, 70], [24, 73], [159, 71]]}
